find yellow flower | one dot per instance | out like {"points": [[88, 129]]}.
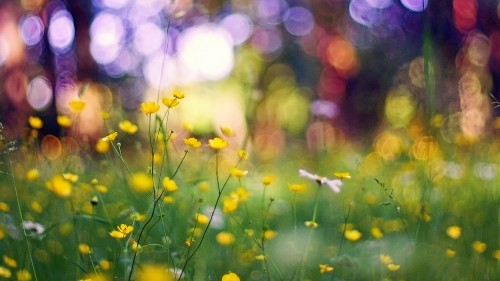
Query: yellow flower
{"points": [[32, 175], [76, 106], [128, 127], [201, 218], [37, 207], [496, 254], [242, 154], [110, 137], [70, 177], [217, 143], [385, 259], [225, 238], [479, 246], [342, 175], [154, 272], [141, 182], [137, 216], [178, 94], [227, 131], [353, 235], [35, 122], [168, 199], [64, 121], [150, 107], [260, 257], [229, 204], [324, 268], [450, 253], [393, 267], [4, 207], [10, 262], [102, 146], [454, 232], [59, 186], [84, 248], [238, 173], [135, 245], [241, 193], [122, 231], [311, 224], [377, 232], [267, 180], [105, 115], [297, 187], [169, 184], [193, 142], [230, 277], [105, 265], [170, 102], [270, 234], [5, 272], [23, 275]]}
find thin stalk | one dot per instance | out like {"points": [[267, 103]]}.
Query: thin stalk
{"points": [[28, 245]]}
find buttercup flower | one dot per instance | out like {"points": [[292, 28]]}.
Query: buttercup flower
{"points": [[385, 259], [297, 187], [170, 102], [192, 142], [110, 137], [267, 180], [149, 107], [84, 248], [353, 235], [230, 277], [238, 173], [450, 253], [454, 232], [64, 121], [342, 175], [333, 184], [393, 267], [242, 154], [121, 231], [141, 182], [324, 268], [23, 275], [178, 94], [169, 184], [76, 106], [35, 122], [225, 238], [128, 127], [32, 175], [59, 186], [311, 224], [479, 246], [227, 131], [217, 143]]}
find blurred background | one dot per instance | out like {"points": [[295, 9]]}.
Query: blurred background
{"points": [[324, 71]]}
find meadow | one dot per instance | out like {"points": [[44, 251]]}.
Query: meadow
{"points": [[167, 205], [321, 145]]}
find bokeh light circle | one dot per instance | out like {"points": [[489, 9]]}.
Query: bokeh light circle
{"points": [[106, 33], [415, 5], [206, 51], [31, 29], [239, 26], [61, 31], [148, 38], [39, 94], [298, 21]]}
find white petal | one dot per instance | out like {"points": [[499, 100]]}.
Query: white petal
{"points": [[334, 185], [306, 174]]}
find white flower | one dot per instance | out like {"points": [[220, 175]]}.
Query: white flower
{"points": [[333, 184]]}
